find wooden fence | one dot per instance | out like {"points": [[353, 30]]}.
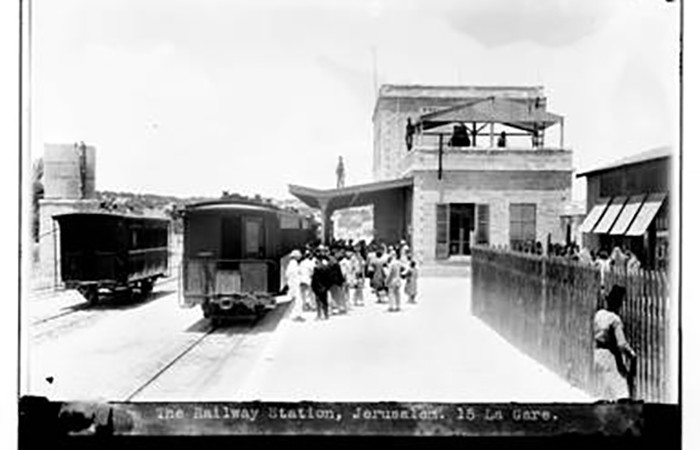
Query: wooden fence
{"points": [[545, 307]]}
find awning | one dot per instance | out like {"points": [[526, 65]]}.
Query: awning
{"points": [[606, 222], [594, 216], [646, 214], [492, 110], [629, 212]]}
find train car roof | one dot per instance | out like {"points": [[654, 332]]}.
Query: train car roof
{"points": [[223, 205], [108, 214]]}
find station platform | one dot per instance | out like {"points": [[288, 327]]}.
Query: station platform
{"points": [[433, 351]]}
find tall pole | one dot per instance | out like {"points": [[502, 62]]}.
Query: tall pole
{"points": [[374, 72], [561, 133], [440, 157]]}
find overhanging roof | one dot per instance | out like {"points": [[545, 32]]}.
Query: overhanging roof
{"points": [[347, 197], [649, 155], [492, 110]]}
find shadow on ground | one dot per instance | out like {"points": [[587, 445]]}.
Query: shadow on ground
{"points": [[117, 302], [245, 323]]}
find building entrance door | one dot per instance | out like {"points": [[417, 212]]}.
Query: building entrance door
{"points": [[461, 228]]}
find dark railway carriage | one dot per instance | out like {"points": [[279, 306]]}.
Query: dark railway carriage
{"points": [[112, 251], [234, 254]]}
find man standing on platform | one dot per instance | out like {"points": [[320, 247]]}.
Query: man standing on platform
{"points": [[393, 281], [293, 282], [340, 173], [321, 281]]}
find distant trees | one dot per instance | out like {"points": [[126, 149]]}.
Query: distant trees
{"points": [[37, 194]]}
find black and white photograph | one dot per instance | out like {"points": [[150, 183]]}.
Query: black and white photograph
{"points": [[352, 217]]}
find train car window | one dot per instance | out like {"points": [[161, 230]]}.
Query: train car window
{"points": [[231, 238], [253, 237], [203, 233], [289, 221]]}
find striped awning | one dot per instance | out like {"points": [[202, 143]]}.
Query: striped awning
{"points": [[594, 216], [606, 222], [629, 212], [646, 214]]}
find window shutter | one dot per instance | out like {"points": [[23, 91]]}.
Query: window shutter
{"points": [[482, 224], [442, 230]]}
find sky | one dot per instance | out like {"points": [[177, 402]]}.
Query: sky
{"points": [[193, 97]]}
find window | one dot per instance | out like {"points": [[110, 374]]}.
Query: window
{"points": [[253, 237], [522, 222], [611, 184], [482, 224], [442, 223]]}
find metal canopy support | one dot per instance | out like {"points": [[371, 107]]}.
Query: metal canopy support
{"points": [[325, 220], [440, 159], [561, 133]]}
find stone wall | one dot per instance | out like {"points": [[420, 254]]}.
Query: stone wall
{"points": [[460, 188], [397, 103]]}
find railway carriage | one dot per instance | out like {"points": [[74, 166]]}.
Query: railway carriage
{"points": [[113, 252], [234, 255]]}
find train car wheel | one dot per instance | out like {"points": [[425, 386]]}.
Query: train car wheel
{"points": [[91, 294], [259, 312], [123, 294], [146, 287]]}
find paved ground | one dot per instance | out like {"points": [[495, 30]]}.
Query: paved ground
{"points": [[433, 351], [155, 350]]}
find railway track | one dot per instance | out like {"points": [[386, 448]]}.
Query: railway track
{"points": [[85, 306], [239, 337]]}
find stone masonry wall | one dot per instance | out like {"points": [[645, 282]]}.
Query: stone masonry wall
{"points": [[428, 191]]}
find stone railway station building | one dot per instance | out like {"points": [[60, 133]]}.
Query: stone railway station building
{"points": [[458, 165]]}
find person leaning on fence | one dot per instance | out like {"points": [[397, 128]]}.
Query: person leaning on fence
{"points": [[584, 256], [618, 259], [614, 360], [633, 264]]}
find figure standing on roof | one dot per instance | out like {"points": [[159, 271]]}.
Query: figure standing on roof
{"points": [[340, 173], [502, 139], [460, 136], [410, 129]]}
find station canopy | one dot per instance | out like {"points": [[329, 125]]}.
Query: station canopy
{"points": [[516, 114], [350, 196]]}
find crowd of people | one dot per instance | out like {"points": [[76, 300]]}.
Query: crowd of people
{"points": [[618, 258], [332, 279]]}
